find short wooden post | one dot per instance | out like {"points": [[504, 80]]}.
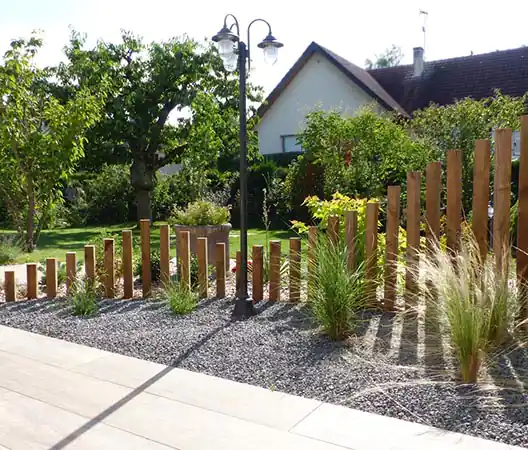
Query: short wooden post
{"points": [[146, 271], [522, 223], [371, 251], [502, 192], [185, 259], [31, 275], [258, 273], [238, 270], [433, 177], [312, 243], [71, 271], [220, 270], [203, 267], [109, 279], [89, 263], [392, 244], [164, 253], [51, 277], [10, 285], [413, 235], [274, 270], [128, 275], [454, 199], [481, 178], [351, 225], [333, 229], [295, 269]]}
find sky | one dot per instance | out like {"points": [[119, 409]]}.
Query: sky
{"points": [[353, 29]]}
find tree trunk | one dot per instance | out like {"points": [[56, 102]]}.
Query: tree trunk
{"points": [[30, 238], [143, 179]]}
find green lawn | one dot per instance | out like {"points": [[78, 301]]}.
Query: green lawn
{"points": [[55, 243]]}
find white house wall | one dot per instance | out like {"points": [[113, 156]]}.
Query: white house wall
{"points": [[318, 83]]}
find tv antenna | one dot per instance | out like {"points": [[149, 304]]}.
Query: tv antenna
{"points": [[424, 14]]}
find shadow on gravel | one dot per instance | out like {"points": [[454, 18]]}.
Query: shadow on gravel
{"points": [[384, 333], [434, 355], [63, 443], [408, 354]]}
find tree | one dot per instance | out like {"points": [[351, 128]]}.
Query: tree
{"points": [[41, 138], [389, 58], [148, 83]]}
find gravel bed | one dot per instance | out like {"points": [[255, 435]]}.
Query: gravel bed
{"points": [[379, 370]]}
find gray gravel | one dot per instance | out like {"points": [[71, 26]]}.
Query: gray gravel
{"points": [[280, 349]]}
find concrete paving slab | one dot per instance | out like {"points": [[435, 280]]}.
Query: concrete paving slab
{"points": [[275, 409]]}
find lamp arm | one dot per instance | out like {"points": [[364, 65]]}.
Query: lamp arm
{"points": [[248, 39], [235, 23]]}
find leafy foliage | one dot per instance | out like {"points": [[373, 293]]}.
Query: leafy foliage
{"points": [[155, 264], [9, 250], [201, 213], [83, 297], [389, 58], [180, 299], [42, 138]]}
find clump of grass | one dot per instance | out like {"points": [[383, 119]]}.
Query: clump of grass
{"points": [[180, 299], [473, 300], [83, 297], [336, 293], [10, 250]]}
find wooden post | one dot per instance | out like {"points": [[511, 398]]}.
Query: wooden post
{"points": [[413, 235], [128, 275], [258, 273], [312, 243], [274, 270], [10, 285], [51, 277], [522, 222], [502, 192], [391, 254], [185, 259], [371, 251], [31, 275], [203, 267], [454, 199], [146, 271], [333, 229], [71, 271], [164, 253], [238, 270], [295, 269], [89, 263], [481, 177], [433, 176], [351, 225], [220, 270], [109, 280]]}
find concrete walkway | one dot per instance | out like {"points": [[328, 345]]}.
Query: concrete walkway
{"points": [[54, 395]]}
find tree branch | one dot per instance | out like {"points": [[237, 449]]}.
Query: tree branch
{"points": [[160, 162]]}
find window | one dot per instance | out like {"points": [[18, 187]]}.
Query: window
{"points": [[289, 143]]}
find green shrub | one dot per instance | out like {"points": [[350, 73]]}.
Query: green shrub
{"points": [[171, 191], [201, 213], [155, 265], [180, 299], [9, 250], [61, 273], [336, 294], [473, 300], [83, 297], [98, 242]]}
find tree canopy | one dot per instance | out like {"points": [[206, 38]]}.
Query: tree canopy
{"points": [[389, 58]]}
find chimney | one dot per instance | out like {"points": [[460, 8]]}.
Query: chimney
{"points": [[418, 61]]}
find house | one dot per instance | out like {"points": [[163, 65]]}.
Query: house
{"points": [[321, 78]]}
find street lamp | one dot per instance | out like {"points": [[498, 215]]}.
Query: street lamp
{"points": [[235, 53]]}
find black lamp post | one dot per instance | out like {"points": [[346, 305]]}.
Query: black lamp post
{"points": [[235, 54]]}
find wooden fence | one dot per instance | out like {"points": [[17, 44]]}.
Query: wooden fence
{"points": [[431, 218]]}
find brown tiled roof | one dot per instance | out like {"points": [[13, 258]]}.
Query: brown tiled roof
{"points": [[442, 81]]}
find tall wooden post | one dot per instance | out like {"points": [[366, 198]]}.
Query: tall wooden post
{"points": [[481, 178], [71, 271], [31, 275], [391, 255], [522, 222], [164, 253], [433, 176], [258, 273], [502, 192], [203, 267], [185, 259], [220, 270], [351, 225], [454, 199], [51, 277], [146, 271], [89, 263], [295, 269], [109, 281], [371, 251], [10, 285], [274, 270], [413, 236], [333, 229], [128, 275]]}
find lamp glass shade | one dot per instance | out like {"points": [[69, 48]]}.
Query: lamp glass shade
{"points": [[271, 53], [225, 47], [230, 62]]}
